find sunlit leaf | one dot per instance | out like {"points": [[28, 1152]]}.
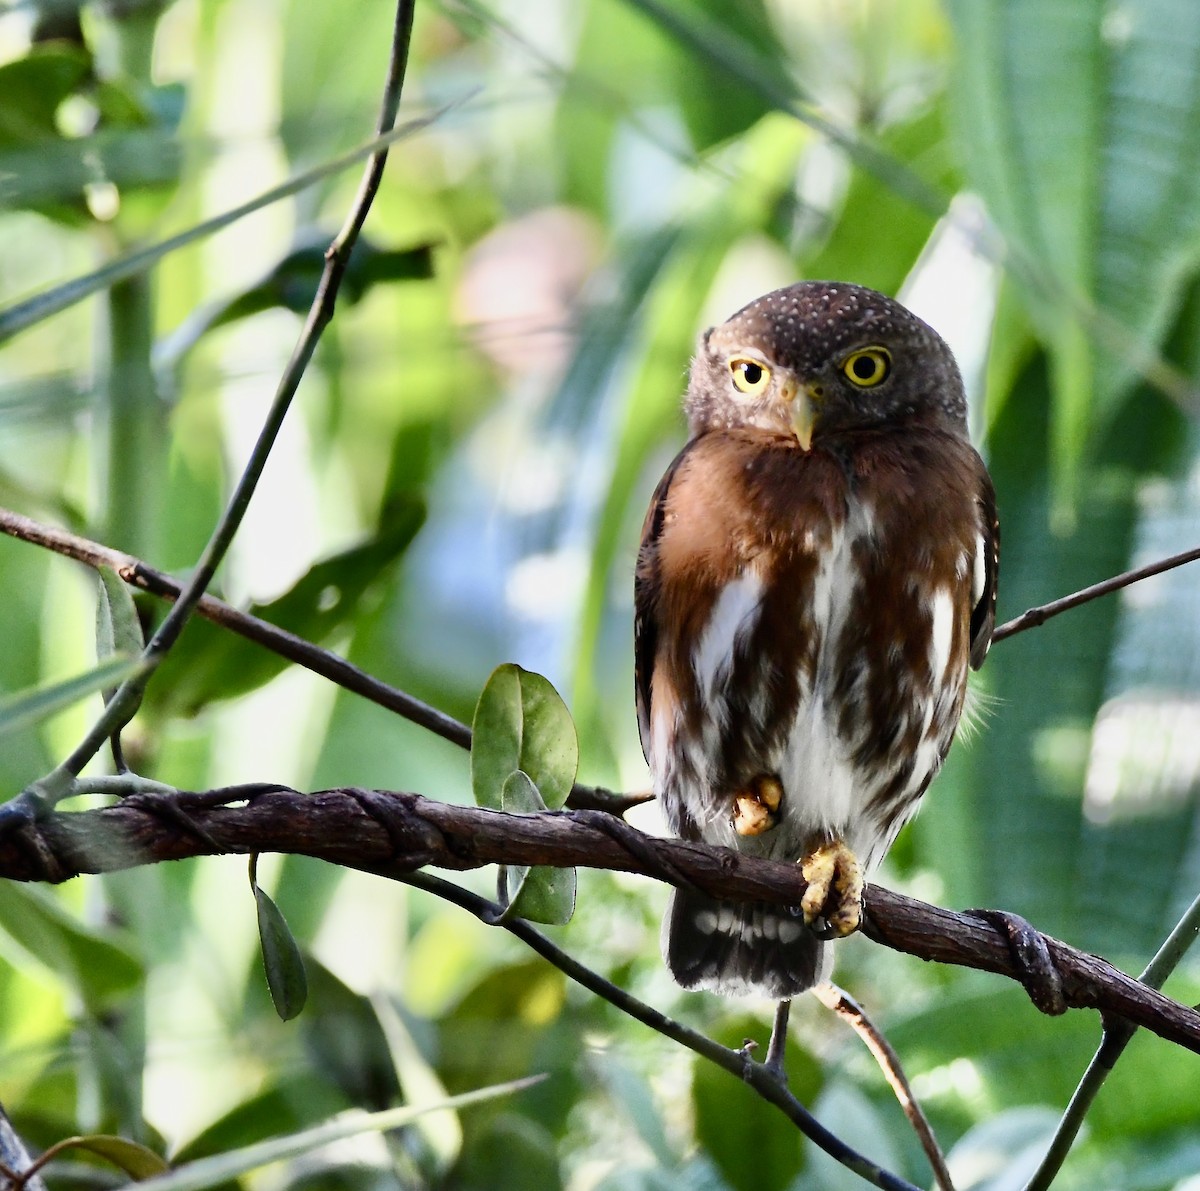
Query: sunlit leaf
{"points": [[209, 1172], [521, 723], [93, 963], [1084, 150]]}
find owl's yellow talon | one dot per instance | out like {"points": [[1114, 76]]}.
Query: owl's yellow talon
{"points": [[756, 810], [835, 888]]}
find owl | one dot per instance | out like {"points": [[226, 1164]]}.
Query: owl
{"points": [[817, 574]]}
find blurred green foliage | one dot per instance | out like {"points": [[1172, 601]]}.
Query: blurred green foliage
{"points": [[461, 485]]}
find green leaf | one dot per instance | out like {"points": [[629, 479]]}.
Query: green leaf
{"points": [[540, 893], [346, 1041], [210, 663], [1002, 1152], [1085, 150], [118, 629], [135, 1160], [25, 314], [20, 710], [292, 285], [545, 894], [91, 962], [629, 1092], [845, 1111], [32, 89], [209, 1172], [284, 964], [521, 723], [289, 1103]]}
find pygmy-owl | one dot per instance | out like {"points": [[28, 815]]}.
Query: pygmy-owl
{"points": [[817, 572]]}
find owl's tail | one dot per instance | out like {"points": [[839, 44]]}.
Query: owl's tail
{"points": [[740, 948]]}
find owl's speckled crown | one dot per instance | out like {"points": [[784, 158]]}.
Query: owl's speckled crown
{"points": [[809, 329]]}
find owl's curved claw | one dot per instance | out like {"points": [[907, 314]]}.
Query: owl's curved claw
{"points": [[835, 889], [756, 809]]}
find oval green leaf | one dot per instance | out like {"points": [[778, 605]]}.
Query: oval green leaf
{"points": [[284, 964], [540, 893], [95, 963], [135, 1160], [521, 723]]}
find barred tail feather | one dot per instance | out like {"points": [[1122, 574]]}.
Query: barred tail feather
{"points": [[740, 948]]}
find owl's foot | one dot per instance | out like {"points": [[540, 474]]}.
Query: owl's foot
{"points": [[835, 888], [756, 809]]}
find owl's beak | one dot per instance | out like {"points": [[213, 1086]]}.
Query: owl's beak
{"points": [[801, 398]]}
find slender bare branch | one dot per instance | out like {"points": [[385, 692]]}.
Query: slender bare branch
{"points": [[279, 641], [397, 833], [1036, 616], [855, 1016], [762, 1078], [1115, 1039]]}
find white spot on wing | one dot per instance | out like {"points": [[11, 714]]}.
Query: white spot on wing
{"points": [[733, 616], [979, 577], [942, 633]]}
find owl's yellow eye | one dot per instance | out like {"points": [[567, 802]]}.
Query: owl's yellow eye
{"points": [[869, 367], [749, 376]]}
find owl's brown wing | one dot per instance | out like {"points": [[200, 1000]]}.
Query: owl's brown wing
{"points": [[647, 591], [987, 571]]}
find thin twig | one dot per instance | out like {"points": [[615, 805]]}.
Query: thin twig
{"points": [[279, 641], [1117, 1033], [15, 1164], [758, 1076], [1036, 616], [855, 1016]]}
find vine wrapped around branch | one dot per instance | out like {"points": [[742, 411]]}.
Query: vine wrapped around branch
{"points": [[393, 834]]}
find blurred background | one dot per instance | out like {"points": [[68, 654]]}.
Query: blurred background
{"points": [[461, 483]]}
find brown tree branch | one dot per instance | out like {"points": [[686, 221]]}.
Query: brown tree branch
{"points": [[393, 834]]}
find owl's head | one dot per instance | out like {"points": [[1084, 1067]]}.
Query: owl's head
{"points": [[821, 357]]}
